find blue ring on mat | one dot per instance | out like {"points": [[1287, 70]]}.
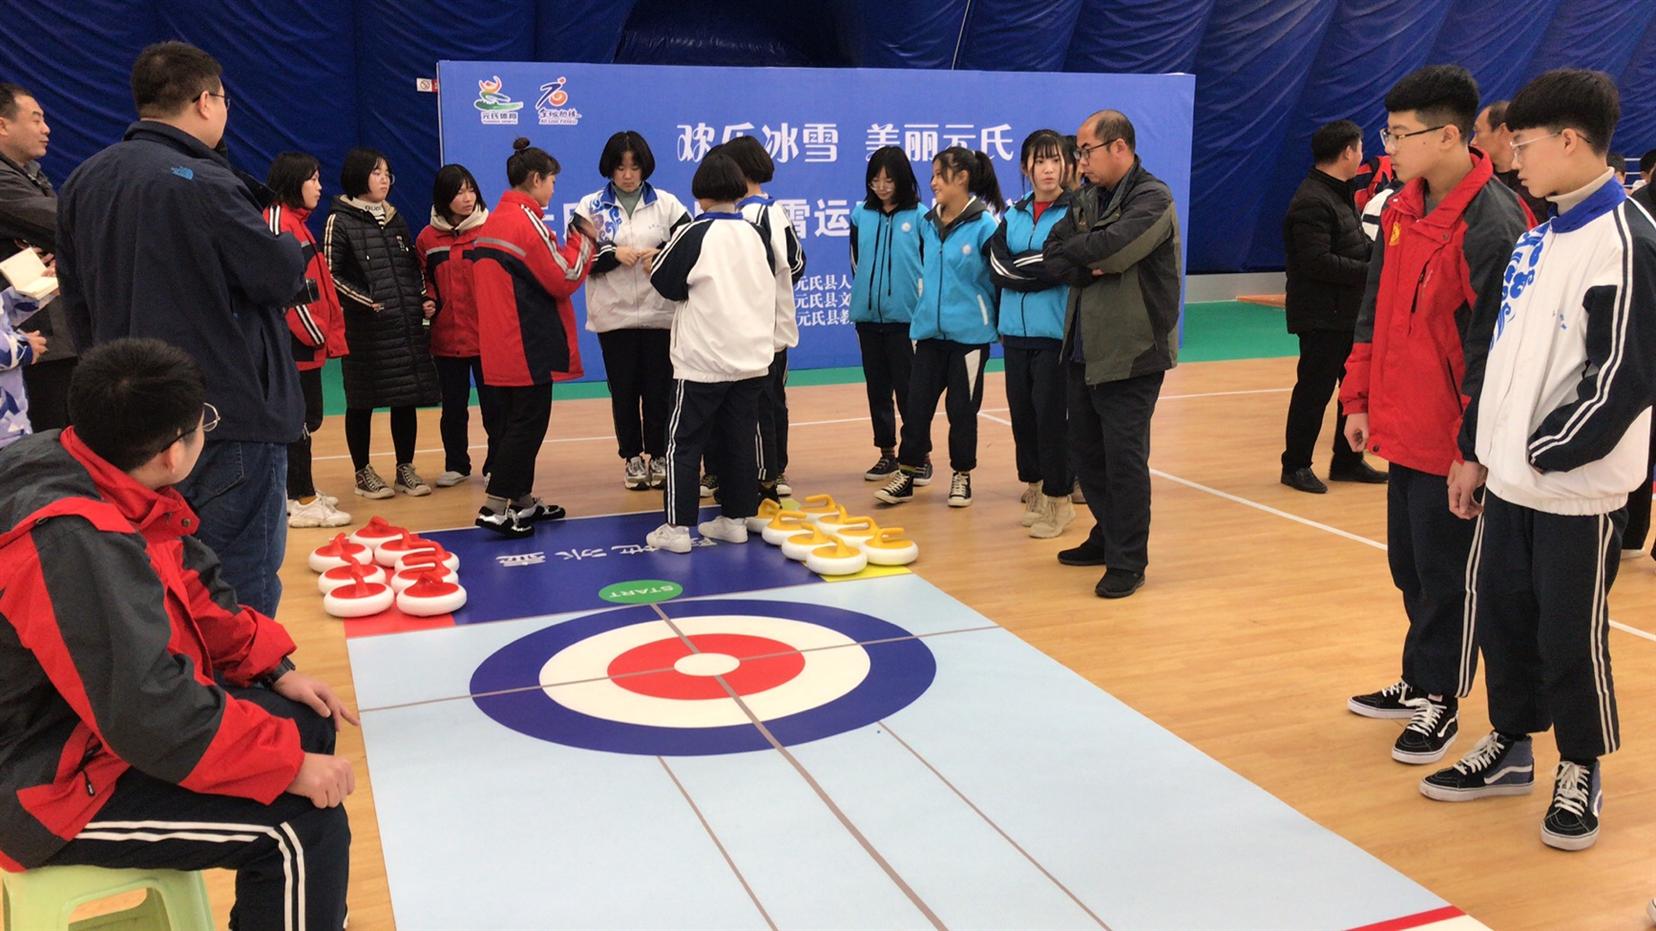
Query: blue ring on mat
{"points": [[899, 672]]}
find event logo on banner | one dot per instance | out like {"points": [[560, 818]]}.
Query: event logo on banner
{"points": [[818, 124], [495, 106], [549, 107]]}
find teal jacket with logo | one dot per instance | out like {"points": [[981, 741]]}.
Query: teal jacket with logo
{"points": [[1033, 298], [956, 297], [885, 263]]}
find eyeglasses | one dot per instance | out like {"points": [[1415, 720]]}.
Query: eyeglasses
{"points": [[1518, 147], [1388, 139], [209, 420], [386, 174], [1084, 152], [223, 97]]}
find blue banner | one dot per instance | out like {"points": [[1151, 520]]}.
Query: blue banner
{"points": [[820, 125]]}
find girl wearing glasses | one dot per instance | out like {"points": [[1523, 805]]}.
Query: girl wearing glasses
{"points": [[371, 254]]}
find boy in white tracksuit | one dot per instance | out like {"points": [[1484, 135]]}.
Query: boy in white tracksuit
{"points": [[1559, 433], [720, 271]]}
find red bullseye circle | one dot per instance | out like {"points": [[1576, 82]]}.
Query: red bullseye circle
{"points": [[648, 669]]}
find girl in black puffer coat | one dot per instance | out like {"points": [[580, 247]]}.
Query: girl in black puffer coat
{"points": [[371, 254]]}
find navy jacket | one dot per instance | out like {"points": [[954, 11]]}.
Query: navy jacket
{"points": [[157, 237]]}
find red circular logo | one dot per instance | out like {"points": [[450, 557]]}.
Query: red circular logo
{"points": [[670, 668]]}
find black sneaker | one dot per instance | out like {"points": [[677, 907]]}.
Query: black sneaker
{"points": [[1304, 480], [1496, 766], [1390, 702], [539, 511], [1087, 554], [960, 490], [505, 523], [1430, 731], [1361, 472], [1572, 821], [923, 477], [1118, 583], [881, 470], [900, 490]]}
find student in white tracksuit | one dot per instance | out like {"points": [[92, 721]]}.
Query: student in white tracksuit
{"points": [[1558, 432]]}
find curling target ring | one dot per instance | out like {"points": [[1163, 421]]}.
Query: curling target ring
{"points": [[626, 681]]}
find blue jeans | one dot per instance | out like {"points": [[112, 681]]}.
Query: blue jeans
{"points": [[239, 490]]}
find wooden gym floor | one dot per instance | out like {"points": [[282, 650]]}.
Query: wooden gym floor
{"points": [[1264, 609]]}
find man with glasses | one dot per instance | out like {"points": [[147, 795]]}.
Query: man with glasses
{"points": [[157, 237], [1433, 293], [1118, 248], [150, 720]]}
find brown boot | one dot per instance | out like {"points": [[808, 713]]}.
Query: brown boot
{"points": [[1031, 499], [1056, 515]]}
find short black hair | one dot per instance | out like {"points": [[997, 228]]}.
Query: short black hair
{"points": [[620, 144], [1647, 161], [718, 179], [527, 160], [1569, 98], [287, 177], [359, 163], [129, 399], [894, 162], [1329, 141], [1617, 161], [1497, 113], [1445, 94], [450, 181], [1111, 125], [750, 156], [169, 76], [9, 93]]}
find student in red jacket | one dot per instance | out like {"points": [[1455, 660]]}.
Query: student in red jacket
{"points": [[523, 280], [457, 217], [316, 323], [1423, 330], [148, 720]]}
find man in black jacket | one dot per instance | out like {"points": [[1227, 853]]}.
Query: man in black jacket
{"points": [[1118, 249], [157, 237], [28, 219], [1490, 133], [1327, 268]]}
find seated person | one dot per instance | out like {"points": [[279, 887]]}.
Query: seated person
{"points": [[148, 720]]}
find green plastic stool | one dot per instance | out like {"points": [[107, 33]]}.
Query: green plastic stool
{"points": [[43, 899]]}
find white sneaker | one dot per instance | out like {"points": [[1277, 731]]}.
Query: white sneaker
{"points": [[725, 529], [451, 478], [783, 489], [315, 514], [1632, 553], [336, 517], [670, 538]]}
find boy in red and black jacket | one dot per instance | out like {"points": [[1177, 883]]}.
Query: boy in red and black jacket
{"points": [[147, 719], [1434, 291]]}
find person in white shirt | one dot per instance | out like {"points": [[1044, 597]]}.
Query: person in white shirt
{"points": [[634, 220], [1557, 434]]}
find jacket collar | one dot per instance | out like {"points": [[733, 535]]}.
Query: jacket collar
{"points": [[477, 218], [1343, 188], [341, 202], [1107, 206], [30, 170], [1026, 202], [754, 199], [173, 137], [1608, 197], [974, 208], [516, 198], [610, 197], [1411, 200], [150, 511]]}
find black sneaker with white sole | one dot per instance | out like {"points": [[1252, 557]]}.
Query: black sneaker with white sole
{"points": [[900, 490], [538, 511], [505, 523], [881, 470], [923, 476], [960, 490], [1390, 702], [1572, 821], [1430, 732], [1496, 766]]}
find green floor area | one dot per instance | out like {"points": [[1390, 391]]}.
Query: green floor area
{"points": [[1213, 332]]}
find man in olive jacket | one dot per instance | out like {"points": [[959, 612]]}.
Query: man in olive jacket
{"points": [[1118, 248], [1328, 257]]}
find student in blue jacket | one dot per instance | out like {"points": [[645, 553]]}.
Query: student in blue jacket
{"points": [[1032, 304], [885, 268], [953, 322]]}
